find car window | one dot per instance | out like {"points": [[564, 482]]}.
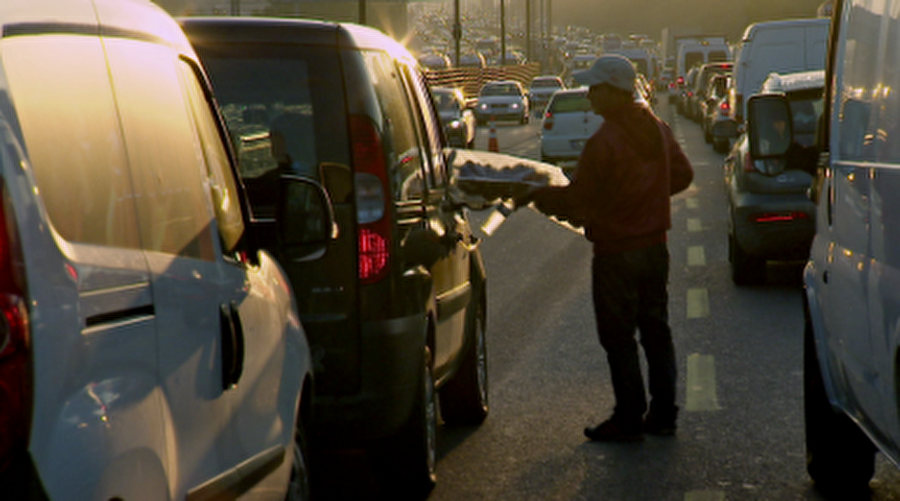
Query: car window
{"points": [[567, 103], [222, 186], [446, 101], [429, 127], [400, 139], [294, 94]]}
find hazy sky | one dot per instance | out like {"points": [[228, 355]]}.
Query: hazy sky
{"points": [[728, 17]]}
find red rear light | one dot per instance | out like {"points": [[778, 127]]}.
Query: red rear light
{"points": [[16, 385], [777, 217], [371, 188], [725, 108], [548, 121], [748, 163], [680, 80]]}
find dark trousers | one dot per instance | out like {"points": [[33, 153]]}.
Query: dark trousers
{"points": [[631, 293]]}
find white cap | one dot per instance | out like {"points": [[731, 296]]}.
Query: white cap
{"points": [[612, 69]]}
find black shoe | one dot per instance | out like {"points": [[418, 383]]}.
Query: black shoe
{"points": [[655, 424], [612, 431]]}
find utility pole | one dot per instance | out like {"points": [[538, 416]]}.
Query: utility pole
{"points": [[235, 7], [502, 33], [362, 11], [528, 30], [457, 33]]}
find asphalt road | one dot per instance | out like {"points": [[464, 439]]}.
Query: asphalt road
{"points": [[740, 433]]}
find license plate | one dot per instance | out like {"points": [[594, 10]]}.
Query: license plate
{"points": [[577, 144]]}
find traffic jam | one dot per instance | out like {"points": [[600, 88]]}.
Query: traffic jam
{"points": [[447, 250]]}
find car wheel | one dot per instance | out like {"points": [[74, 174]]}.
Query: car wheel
{"points": [[299, 485], [464, 399], [745, 269], [407, 462], [840, 458]]}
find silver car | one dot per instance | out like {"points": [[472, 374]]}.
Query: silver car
{"points": [[502, 100]]}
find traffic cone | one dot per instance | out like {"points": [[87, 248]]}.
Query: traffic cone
{"points": [[492, 138]]}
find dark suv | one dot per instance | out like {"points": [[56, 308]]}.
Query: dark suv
{"points": [[395, 309]]}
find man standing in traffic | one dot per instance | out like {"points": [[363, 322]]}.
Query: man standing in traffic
{"points": [[620, 195]]}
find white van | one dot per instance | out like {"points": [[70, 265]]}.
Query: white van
{"points": [[852, 279], [700, 51], [786, 46], [148, 349]]}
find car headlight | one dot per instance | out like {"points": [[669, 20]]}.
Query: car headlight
{"points": [[515, 106], [482, 106], [456, 124]]}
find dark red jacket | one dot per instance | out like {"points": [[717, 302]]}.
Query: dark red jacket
{"points": [[620, 191]]}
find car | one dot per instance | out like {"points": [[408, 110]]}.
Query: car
{"points": [[151, 349], [502, 100], [395, 309], [456, 115], [567, 124], [541, 88], [701, 83], [783, 46], [850, 286], [685, 91], [717, 122], [770, 216]]}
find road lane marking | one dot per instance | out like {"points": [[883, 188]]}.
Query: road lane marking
{"points": [[704, 496], [692, 203], [696, 256], [701, 384], [697, 303], [694, 225]]}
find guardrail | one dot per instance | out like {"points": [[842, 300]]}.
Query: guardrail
{"points": [[470, 80]]}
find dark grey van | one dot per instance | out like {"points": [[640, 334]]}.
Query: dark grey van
{"points": [[395, 309]]}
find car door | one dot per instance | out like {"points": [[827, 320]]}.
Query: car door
{"points": [[198, 291], [453, 287]]}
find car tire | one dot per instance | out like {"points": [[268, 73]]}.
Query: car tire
{"points": [[464, 399], [745, 269], [299, 485], [407, 461], [840, 458]]}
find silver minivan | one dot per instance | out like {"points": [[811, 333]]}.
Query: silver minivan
{"points": [[148, 348]]}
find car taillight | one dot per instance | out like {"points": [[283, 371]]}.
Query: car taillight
{"points": [[776, 217], [548, 121], [724, 108], [680, 80], [371, 187], [16, 384]]}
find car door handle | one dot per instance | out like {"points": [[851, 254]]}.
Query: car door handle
{"points": [[232, 330]]}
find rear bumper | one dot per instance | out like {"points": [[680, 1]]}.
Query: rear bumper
{"points": [[391, 354], [723, 129], [774, 239]]}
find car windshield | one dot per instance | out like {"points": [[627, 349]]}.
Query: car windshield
{"points": [[500, 90], [545, 84], [568, 103]]}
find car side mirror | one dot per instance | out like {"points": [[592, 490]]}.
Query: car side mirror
{"points": [[769, 126], [304, 218]]}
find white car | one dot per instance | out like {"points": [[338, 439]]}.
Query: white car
{"points": [[502, 100], [541, 88], [568, 122], [150, 350]]}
